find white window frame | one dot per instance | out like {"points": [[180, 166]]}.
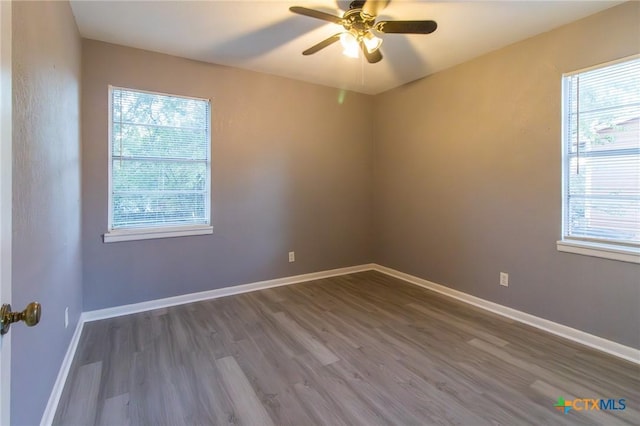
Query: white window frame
{"points": [[567, 244], [166, 231]]}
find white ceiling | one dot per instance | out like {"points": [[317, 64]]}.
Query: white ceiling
{"points": [[265, 36]]}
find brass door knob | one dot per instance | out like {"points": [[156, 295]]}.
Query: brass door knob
{"points": [[30, 316]]}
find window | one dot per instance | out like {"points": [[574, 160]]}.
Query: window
{"points": [[601, 161], [159, 165]]}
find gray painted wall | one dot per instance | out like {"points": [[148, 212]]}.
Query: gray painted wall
{"points": [[46, 197], [291, 170], [467, 180]]}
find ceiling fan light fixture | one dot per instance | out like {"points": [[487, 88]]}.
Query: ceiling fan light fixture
{"points": [[350, 46], [363, 31], [371, 42]]}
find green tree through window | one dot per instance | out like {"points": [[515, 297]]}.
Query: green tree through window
{"points": [[602, 154], [159, 155]]}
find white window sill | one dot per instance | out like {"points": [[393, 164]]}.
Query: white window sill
{"points": [[152, 233], [607, 251]]}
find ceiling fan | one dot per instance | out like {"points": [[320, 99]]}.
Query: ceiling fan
{"points": [[360, 28]]}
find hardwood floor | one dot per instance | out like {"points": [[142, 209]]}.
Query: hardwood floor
{"points": [[361, 349]]}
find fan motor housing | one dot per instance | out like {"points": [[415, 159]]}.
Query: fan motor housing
{"points": [[355, 19]]}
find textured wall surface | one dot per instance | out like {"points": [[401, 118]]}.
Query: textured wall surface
{"points": [[467, 180], [46, 197], [291, 170]]}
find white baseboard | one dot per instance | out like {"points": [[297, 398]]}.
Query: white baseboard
{"points": [[58, 386], [613, 348], [604, 345], [219, 292]]}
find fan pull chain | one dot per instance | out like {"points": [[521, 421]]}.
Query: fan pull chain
{"points": [[362, 69]]}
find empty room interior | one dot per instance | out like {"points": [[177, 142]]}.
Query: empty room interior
{"points": [[320, 212]]}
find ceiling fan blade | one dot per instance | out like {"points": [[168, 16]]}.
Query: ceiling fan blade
{"points": [[373, 57], [316, 14], [373, 8], [406, 27], [324, 43]]}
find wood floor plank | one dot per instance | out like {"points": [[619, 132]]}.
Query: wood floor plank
{"points": [[313, 345], [115, 411], [569, 384], [84, 394], [462, 326], [248, 407], [378, 389], [354, 408], [270, 386], [322, 408], [358, 349], [212, 402]]}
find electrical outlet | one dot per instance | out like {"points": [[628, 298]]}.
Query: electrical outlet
{"points": [[66, 317], [292, 256], [504, 279]]}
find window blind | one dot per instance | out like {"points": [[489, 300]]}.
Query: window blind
{"points": [[160, 168], [602, 154]]}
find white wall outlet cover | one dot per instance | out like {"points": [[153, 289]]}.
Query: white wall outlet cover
{"points": [[504, 279]]}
